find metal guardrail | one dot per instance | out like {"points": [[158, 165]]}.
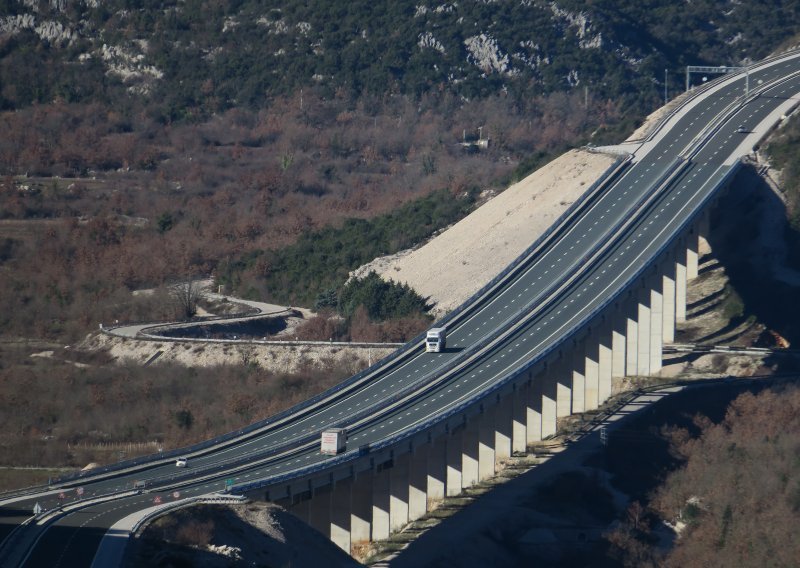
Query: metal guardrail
{"points": [[168, 507], [246, 314], [274, 342]]}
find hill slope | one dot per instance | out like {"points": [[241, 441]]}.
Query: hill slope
{"points": [[191, 58]]}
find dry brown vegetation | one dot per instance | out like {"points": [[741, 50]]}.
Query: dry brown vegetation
{"points": [[58, 413], [736, 496], [331, 327], [156, 203]]}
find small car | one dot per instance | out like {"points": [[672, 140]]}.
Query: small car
{"points": [[181, 462], [741, 129]]}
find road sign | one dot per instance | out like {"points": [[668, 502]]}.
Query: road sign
{"points": [[157, 500], [229, 482], [79, 491], [37, 509], [62, 495], [176, 495]]}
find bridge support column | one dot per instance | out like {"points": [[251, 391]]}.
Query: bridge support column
{"points": [[301, 510], [578, 383], [549, 391], [519, 424], [486, 439], [605, 361], [469, 453], [656, 324], [703, 231], [592, 370], [454, 444], [319, 511], [398, 493], [381, 492], [668, 292], [578, 357], [680, 283], [618, 343], [437, 472], [534, 410], [503, 429], [361, 509], [631, 338], [341, 499], [418, 483], [562, 370], [692, 255], [643, 329]]}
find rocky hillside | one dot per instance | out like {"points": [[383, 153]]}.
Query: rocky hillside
{"points": [[194, 57]]}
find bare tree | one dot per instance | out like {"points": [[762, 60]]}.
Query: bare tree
{"points": [[186, 296]]}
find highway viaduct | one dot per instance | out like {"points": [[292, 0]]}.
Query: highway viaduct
{"points": [[369, 498], [382, 487], [596, 299]]}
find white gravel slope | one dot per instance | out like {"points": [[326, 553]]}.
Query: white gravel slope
{"points": [[458, 262]]}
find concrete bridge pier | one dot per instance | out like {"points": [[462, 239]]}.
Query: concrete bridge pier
{"points": [[703, 231], [453, 477], [668, 299], [469, 453], [591, 368], [656, 322], [361, 509], [503, 429], [381, 503], [619, 326], [692, 256], [605, 358], [680, 281], [643, 329], [301, 509], [631, 310], [341, 504], [436, 474], [398, 492], [418, 482], [550, 388], [520, 400], [319, 510], [578, 377], [535, 410], [486, 441]]}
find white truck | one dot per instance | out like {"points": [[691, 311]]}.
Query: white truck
{"points": [[435, 340], [334, 441]]}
